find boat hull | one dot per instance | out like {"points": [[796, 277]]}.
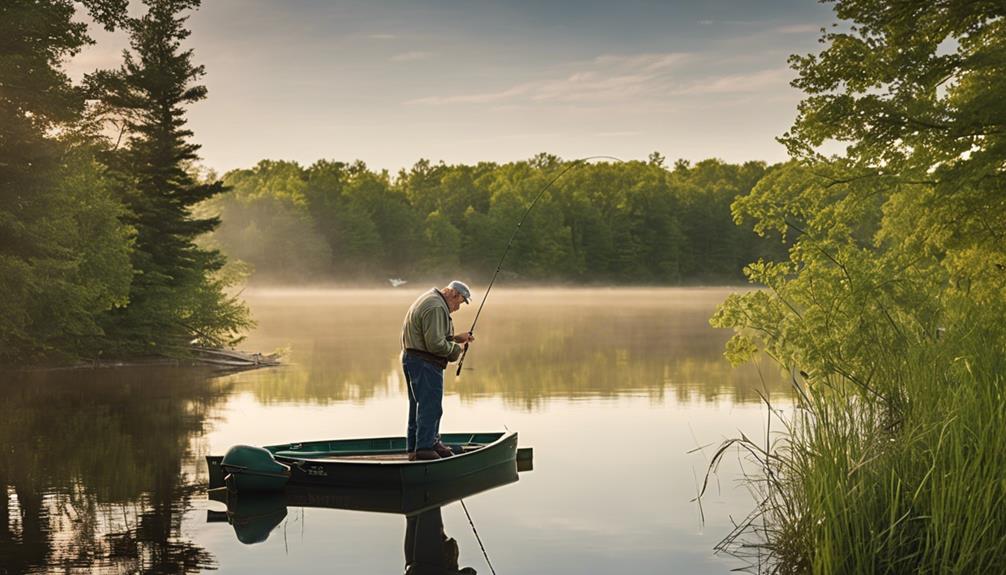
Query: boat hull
{"points": [[317, 471], [381, 462]]}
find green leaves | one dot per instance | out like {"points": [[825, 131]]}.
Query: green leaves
{"points": [[893, 292], [633, 222], [177, 294], [63, 249], [887, 234]]}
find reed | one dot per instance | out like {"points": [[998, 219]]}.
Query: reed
{"points": [[911, 480]]}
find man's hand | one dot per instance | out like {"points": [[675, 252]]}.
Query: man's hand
{"points": [[465, 337]]}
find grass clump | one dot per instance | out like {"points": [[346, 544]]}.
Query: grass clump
{"points": [[912, 480]]}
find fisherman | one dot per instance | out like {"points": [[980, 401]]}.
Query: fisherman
{"points": [[428, 345]]}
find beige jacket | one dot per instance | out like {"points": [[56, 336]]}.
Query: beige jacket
{"points": [[428, 327]]}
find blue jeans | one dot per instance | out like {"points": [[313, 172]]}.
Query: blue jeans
{"points": [[426, 395]]}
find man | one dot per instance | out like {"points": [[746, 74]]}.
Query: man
{"points": [[428, 345]]}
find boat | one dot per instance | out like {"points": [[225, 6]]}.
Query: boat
{"points": [[369, 462]]}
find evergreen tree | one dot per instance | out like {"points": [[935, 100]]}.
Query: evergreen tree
{"points": [[62, 252], [174, 296]]}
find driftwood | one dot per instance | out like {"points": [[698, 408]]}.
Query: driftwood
{"points": [[181, 356], [229, 358]]}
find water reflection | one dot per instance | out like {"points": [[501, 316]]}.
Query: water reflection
{"points": [[428, 549], [533, 345], [102, 470], [94, 468]]}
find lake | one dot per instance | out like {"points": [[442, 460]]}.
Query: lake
{"points": [[623, 394]]}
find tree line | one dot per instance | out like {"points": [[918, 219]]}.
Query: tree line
{"points": [[112, 241], [97, 234], [631, 222]]}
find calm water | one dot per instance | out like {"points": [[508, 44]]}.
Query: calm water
{"points": [[615, 389]]}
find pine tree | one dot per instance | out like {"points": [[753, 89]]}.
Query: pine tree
{"points": [[176, 295]]}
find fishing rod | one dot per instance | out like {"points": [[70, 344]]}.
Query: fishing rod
{"points": [[499, 266]]}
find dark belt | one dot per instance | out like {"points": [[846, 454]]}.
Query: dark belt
{"points": [[428, 357]]}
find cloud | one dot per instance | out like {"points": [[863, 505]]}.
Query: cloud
{"points": [[593, 87], [762, 80], [410, 56], [797, 29], [708, 22], [618, 134], [476, 98], [646, 61], [382, 36], [607, 78], [629, 79]]}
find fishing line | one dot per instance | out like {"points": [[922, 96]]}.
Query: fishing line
{"points": [[477, 538], [499, 266]]}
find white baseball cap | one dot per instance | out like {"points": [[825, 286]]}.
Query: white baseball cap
{"points": [[462, 289]]}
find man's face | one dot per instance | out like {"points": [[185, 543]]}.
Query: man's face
{"points": [[454, 300]]}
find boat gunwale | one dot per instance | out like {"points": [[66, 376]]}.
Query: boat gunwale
{"points": [[503, 436]]}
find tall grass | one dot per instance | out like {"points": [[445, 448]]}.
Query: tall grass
{"points": [[910, 480]]}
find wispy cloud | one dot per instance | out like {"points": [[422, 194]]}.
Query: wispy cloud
{"points": [[411, 56], [770, 79], [797, 29], [628, 78], [475, 98], [606, 78], [382, 36], [728, 22], [617, 134], [647, 61]]}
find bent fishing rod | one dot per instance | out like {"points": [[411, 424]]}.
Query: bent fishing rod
{"points": [[513, 236]]}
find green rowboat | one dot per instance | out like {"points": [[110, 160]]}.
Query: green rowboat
{"points": [[372, 462]]}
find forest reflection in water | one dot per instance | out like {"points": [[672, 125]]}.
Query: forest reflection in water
{"points": [[102, 468], [97, 468]]}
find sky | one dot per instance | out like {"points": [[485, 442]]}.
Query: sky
{"points": [[466, 81]]}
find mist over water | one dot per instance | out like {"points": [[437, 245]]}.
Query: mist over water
{"points": [[532, 344], [612, 387]]}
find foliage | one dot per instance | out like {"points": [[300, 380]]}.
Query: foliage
{"points": [[62, 249], [891, 297], [274, 230], [98, 250], [174, 297], [601, 223]]}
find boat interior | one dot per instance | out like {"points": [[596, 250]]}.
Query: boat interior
{"points": [[378, 449]]}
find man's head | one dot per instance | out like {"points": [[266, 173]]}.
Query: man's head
{"points": [[455, 293]]}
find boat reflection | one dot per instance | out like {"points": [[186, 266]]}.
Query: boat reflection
{"points": [[254, 515]]}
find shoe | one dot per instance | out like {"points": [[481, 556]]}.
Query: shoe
{"points": [[442, 450], [412, 455], [426, 454]]}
